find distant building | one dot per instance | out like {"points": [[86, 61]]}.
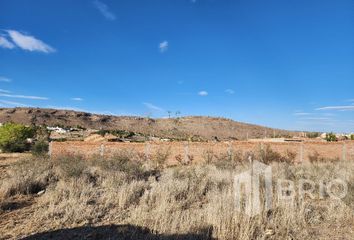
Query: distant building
{"points": [[57, 130]]}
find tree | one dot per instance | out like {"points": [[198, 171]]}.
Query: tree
{"points": [[331, 137], [352, 137], [13, 137]]}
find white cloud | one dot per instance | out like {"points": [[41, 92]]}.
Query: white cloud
{"points": [[29, 43], [203, 93], [230, 91], [10, 103], [317, 118], [4, 91], [104, 10], [5, 79], [76, 99], [301, 114], [338, 108], [153, 107], [23, 96], [4, 43], [163, 46]]}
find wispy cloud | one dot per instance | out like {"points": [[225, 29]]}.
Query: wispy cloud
{"points": [[28, 42], [153, 107], [4, 43], [13, 104], [4, 91], [301, 114], [230, 91], [203, 93], [338, 108], [317, 118], [5, 79], [23, 96], [163, 46], [77, 99], [104, 10]]}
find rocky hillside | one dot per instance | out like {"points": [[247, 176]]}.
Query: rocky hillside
{"points": [[203, 128]]}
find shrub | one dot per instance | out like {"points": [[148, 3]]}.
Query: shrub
{"points": [[122, 162], [70, 166], [160, 158], [352, 137], [208, 156], [313, 135], [28, 176], [40, 148], [267, 155], [331, 137], [317, 158], [13, 137], [229, 160]]}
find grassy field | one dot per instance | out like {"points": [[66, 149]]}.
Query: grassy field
{"points": [[125, 197]]}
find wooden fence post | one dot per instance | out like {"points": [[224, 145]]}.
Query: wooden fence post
{"points": [[102, 150], [344, 152], [147, 150], [50, 149], [229, 149], [301, 152], [186, 152]]}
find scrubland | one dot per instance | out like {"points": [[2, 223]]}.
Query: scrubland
{"points": [[130, 197]]}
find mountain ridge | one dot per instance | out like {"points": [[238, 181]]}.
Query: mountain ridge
{"points": [[205, 128]]}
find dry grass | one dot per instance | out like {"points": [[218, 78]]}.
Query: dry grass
{"points": [[175, 200]]}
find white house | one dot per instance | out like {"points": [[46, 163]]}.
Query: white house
{"points": [[57, 130]]}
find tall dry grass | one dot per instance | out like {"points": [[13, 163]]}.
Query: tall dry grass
{"points": [[180, 199]]}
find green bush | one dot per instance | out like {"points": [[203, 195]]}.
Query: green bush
{"points": [[331, 137], [40, 148], [352, 137], [13, 137]]}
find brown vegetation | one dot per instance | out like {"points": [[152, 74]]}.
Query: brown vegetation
{"points": [[126, 197]]}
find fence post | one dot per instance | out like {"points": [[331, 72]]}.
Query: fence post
{"points": [[344, 152], [186, 152], [229, 149], [301, 152], [147, 150], [50, 149], [102, 150]]}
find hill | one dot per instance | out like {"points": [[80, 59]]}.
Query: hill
{"points": [[205, 128]]}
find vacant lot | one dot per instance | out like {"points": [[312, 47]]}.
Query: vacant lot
{"points": [[126, 197], [199, 151]]}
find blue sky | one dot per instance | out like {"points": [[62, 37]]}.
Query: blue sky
{"points": [[285, 64]]}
